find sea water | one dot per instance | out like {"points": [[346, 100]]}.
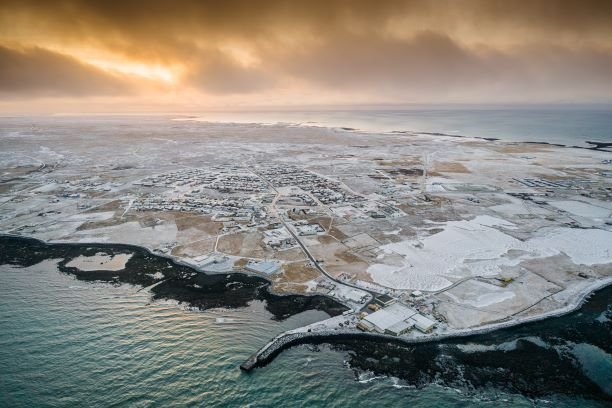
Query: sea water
{"points": [[69, 343], [571, 126]]}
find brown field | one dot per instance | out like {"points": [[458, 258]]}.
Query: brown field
{"points": [[110, 206], [282, 287], [336, 233], [293, 278], [293, 254], [194, 249], [447, 167], [115, 220], [232, 244], [299, 272], [200, 222], [339, 259], [348, 257], [358, 270], [250, 245], [325, 239], [323, 221], [415, 162], [241, 263]]}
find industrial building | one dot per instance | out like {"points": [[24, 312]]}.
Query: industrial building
{"points": [[356, 296], [400, 328], [384, 300], [422, 323], [396, 319], [385, 318]]}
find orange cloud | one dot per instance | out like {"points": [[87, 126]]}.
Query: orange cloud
{"points": [[237, 51]]}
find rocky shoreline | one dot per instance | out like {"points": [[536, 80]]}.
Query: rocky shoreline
{"points": [[296, 337], [180, 281], [282, 306]]}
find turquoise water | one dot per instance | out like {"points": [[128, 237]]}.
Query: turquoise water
{"points": [[568, 125], [66, 343]]}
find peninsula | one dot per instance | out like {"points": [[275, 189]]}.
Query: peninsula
{"points": [[419, 236]]}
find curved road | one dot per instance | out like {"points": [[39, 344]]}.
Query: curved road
{"points": [[305, 249]]}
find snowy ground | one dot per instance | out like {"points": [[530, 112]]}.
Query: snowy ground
{"points": [[458, 226], [478, 248], [100, 262]]}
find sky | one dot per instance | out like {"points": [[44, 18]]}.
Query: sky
{"points": [[182, 55]]}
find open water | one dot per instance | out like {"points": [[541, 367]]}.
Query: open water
{"points": [[69, 343], [571, 126]]}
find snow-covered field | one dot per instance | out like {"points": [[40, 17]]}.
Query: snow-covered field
{"points": [[408, 212], [99, 262], [478, 248], [582, 209]]}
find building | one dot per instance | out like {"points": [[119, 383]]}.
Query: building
{"points": [[400, 328], [364, 326], [384, 300], [422, 323], [373, 306], [356, 296], [309, 229], [387, 318]]}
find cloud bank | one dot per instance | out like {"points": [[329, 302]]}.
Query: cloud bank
{"points": [[316, 52]]}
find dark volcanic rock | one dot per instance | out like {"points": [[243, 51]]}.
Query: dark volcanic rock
{"points": [[177, 282]]}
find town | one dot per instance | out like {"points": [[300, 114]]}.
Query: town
{"points": [[415, 241]]}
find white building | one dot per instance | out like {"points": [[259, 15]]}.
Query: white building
{"points": [[386, 318], [422, 323]]}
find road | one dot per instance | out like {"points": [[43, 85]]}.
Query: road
{"points": [[303, 246]]}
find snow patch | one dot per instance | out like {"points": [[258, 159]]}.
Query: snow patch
{"points": [[476, 248]]}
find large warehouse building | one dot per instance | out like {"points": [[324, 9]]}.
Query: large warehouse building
{"points": [[396, 320]]}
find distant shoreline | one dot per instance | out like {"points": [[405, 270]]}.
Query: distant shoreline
{"points": [[594, 145]]}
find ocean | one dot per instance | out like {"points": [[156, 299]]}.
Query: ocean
{"points": [[571, 126], [68, 343]]}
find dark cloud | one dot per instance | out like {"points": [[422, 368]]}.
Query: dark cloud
{"points": [[40, 72], [217, 73], [468, 50], [435, 65], [244, 19]]}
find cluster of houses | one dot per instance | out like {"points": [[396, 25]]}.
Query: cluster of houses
{"points": [[325, 190], [72, 188], [305, 229], [378, 210], [225, 180], [223, 209], [543, 183], [279, 238]]}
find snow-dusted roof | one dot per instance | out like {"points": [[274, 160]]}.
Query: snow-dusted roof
{"points": [[387, 317]]}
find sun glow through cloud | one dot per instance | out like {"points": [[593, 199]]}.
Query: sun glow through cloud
{"points": [[146, 71]]}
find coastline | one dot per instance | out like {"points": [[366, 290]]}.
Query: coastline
{"points": [[591, 145], [176, 261], [302, 335], [292, 338]]}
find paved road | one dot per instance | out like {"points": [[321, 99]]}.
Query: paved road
{"points": [[304, 248]]}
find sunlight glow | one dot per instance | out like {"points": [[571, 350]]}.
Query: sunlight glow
{"points": [[146, 71]]}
